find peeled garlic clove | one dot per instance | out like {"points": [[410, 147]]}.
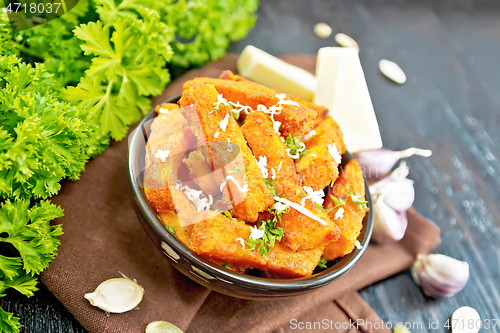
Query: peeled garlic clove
{"points": [[322, 30], [116, 295], [392, 71], [389, 226], [346, 41], [462, 319], [401, 329], [399, 194], [439, 275], [162, 327], [377, 163]]}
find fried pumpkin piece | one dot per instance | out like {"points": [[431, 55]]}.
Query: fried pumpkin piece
{"points": [[170, 137], [295, 120], [183, 233], [200, 171], [320, 109], [218, 239], [349, 217], [300, 231], [319, 165], [166, 107], [229, 151]]}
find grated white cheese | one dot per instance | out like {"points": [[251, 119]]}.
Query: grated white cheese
{"points": [[256, 233], [332, 149], [216, 135], [279, 206], [220, 100], [162, 110], [309, 135], [315, 196], [243, 189], [300, 209], [224, 122], [276, 109], [262, 163], [239, 107], [162, 154], [273, 177], [201, 204], [239, 239], [339, 214], [279, 165], [358, 245], [313, 154], [276, 127]]}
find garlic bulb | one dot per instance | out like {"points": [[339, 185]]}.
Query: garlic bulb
{"points": [[162, 327], [377, 163], [398, 191], [116, 295], [439, 275], [389, 226]]}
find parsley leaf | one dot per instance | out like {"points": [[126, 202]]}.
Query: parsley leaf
{"points": [[9, 323], [322, 263], [42, 140], [359, 201]]}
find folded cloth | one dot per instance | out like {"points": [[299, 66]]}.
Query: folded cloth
{"points": [[103, 238]]}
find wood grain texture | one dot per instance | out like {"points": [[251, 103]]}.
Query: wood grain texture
{"points": [[450, 104]]}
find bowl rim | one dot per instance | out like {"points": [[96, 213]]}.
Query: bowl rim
{"points": [[295, 284]]}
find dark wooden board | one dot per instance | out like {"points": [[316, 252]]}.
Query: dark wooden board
{"points": [[450, 51]]}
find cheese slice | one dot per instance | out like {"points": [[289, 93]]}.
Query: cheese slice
{"points": [[259, 66], [342, 89]]}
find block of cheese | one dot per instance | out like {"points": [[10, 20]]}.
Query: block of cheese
{"points": [[342, 89], [259, 66]]}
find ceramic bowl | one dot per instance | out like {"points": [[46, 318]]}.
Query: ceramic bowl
{"points": [[214, 276]]}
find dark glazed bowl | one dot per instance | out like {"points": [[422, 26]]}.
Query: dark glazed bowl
{"points": [[213, 276]]}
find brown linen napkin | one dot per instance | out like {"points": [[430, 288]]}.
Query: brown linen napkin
{"points": [[102, 237]]}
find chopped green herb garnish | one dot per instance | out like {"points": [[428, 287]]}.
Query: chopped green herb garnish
{"points": [[338, 201], [322, 263], [318, 206], [228, 214], [172, 230], [272, 234], [259, 91], [224, 265], [359, 201], [236, 169], [294, 145], [270, 186], [236, 115]]}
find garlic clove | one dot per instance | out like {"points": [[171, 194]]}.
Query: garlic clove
{"points": [[401, 329], [379, 162], [399, 194], [322, 30], [392, 71], [162, 327], [116, 295], [439, 275], [389, 226], [346, 41], [462, 319]]}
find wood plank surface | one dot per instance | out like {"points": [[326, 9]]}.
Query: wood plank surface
{"points": [[450, 51]]}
